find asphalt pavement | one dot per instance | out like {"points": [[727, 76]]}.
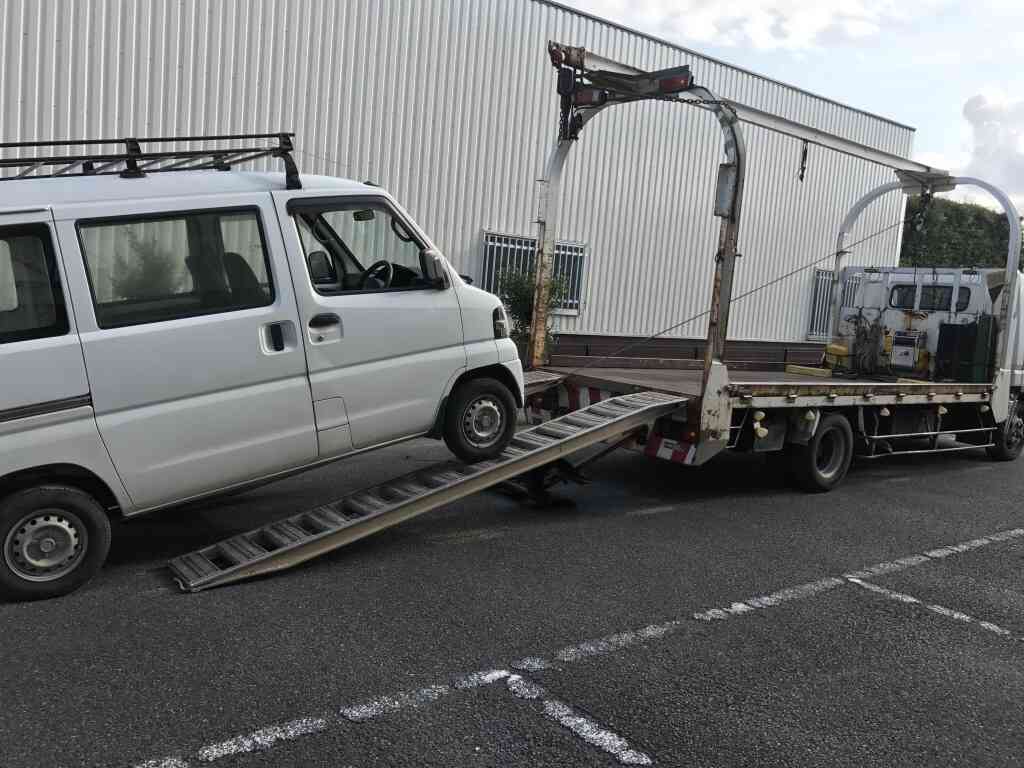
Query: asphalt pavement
{"points": [[670, 617]]}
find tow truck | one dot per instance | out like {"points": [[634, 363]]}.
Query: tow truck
{"points": [[812, 420]]}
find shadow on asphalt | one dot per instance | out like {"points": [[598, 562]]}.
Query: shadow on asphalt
{"points": [[629, 476]]}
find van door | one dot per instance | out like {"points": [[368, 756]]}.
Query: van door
{"points": [[190, 332], [383, 341], [41, 367]]}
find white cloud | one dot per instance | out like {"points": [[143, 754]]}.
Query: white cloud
{"points": [[997, 124], [794, 25]]}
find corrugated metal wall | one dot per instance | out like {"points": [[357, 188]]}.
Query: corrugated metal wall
{"points": [[450, 104]]}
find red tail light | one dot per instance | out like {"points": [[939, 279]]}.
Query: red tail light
{"points": [[675, 83]]}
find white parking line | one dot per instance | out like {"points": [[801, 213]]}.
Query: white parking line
{"points": [[648, 511], [470, 536], [799, 592], [267, 736], [584, 727], [262, 739], [942, 610], [601, 646]]}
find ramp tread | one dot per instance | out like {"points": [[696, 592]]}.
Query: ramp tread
{"points": [[326, 527]]}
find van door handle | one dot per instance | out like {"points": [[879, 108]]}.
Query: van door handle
{"points": [[325, 328], [278, 337], [323, 321]]}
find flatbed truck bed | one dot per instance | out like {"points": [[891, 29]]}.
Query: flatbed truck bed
{"points": [[775, 388]]}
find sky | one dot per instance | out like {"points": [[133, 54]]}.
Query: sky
{"points": [[952, 70]]}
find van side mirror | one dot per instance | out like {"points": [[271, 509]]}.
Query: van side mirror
{"points": [[435, 266], [320, 268]]}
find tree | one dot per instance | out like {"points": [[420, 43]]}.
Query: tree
{"points": [[515, 288], [952, 234], [145, 271]]}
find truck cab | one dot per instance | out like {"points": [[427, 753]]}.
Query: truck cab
{"points": [[935, 324], [172, 336]]}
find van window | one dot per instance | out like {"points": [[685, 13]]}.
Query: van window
{"points": [[8, 292], [963, 298], [344, 239], [31, 303], [902, 296], [165, 267], [936, 297]]}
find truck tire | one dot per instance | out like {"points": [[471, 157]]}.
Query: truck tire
{"points": [[54, 537], [1008, 438], [479, 419], [821, 465]]}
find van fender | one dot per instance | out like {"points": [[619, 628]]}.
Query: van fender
{"points": [[38, 445]]}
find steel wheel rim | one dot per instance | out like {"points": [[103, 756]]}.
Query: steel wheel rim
{"points": [[828, 458], [46, 545], [483, 422]]}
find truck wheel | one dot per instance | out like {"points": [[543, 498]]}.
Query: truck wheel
{"points": [[479, 420], [821, 465], [1008, 438], [55, 538]]}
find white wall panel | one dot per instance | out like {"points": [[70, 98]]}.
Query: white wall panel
{"points": [[451, 105]]}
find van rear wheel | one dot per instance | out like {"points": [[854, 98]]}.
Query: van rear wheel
{"points": [[54, 537], [479, 419]]}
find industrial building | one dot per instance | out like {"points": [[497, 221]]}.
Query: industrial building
{"points": [[451, 105]]}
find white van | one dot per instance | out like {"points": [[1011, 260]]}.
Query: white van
{"points": [[179, 335]]}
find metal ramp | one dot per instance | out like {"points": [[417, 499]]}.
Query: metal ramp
{"points": [[298, 538]]}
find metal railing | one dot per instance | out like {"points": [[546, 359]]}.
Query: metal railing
{"points": [[504, 253], [821, 302]]}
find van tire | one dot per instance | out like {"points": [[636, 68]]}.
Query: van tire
{"points": [[821, 465], [54, 520], [479, 419]]}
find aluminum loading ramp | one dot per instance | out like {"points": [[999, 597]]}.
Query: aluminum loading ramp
{"points": [[315, 532]]}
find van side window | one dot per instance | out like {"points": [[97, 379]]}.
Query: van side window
{"points": [[31, 302], [358, 245], [902, 296], [963, 298], [164, 267], [936, 297]]}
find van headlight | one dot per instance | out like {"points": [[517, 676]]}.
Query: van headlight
{"points": [[501, 328]]}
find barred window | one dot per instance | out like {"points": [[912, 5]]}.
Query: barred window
{"points": [[503, 253]]}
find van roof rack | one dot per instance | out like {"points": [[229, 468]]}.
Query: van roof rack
{"points": [[134, 162]]}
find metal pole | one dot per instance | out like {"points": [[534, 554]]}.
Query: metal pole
{"points": [[547, 229], [844, 229], [728, 205]]}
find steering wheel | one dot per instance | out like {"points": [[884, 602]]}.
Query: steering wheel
{"points": [[378, 266]]}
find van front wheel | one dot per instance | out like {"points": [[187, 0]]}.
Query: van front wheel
{"points": [[55, 538], [479, 419]]}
